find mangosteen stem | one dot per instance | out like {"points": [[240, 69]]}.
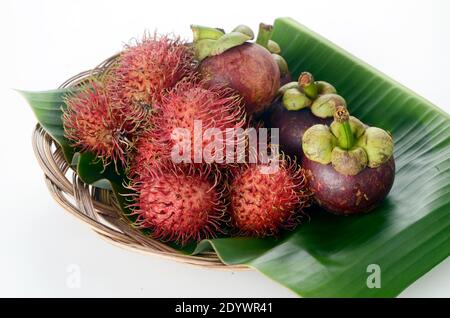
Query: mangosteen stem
{"points": [[345, 136], [264, 34], [307, 83]]}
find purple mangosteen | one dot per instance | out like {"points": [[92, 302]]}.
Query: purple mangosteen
{"points": [[349, 166], [254, 70]]}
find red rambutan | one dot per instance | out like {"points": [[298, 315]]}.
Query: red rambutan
{"points": [[265, 198], [178, 204], [149, 67], [147, 156], [92, 124], [189, 111]]}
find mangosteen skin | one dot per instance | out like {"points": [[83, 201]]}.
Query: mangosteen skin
{"points": [[286, 78], [348, 195], [292, 125], [249, 69]]}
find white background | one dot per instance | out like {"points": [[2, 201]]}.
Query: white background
{"points": [[45, 42]]}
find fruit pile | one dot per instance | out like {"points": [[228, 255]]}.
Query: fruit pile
{"points": [[181, 120]]}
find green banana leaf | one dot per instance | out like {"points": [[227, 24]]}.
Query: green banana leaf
{"points": [[333, 256], [403, 238], [48, 108]]}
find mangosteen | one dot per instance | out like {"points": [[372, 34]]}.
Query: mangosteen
{"points": [[349, 166], [299, 106], [292, 125], [286, 78], [252, 69]]}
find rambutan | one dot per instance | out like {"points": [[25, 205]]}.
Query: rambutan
{"points": [[189, 111], [93, 124], [178, 204], [265, 198], [148, 68], [147, 156]]}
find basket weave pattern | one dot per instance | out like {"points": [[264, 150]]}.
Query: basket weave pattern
{"points": [[98, 207]]}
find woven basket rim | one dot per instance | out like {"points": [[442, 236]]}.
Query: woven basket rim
{"points": [[97, 207]]}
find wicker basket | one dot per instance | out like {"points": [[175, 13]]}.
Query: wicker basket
{"points": [[97, 207]]}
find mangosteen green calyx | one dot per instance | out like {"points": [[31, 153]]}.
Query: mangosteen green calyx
{"points": [[293, 112], [350, 166], [321, 97], [253, 69]]}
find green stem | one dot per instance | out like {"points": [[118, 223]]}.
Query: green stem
{"points": [[347, 132], [264, 34], [307, 83], [345, 136]]}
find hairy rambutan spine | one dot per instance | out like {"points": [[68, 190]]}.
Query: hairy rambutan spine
{"points": [[180, 204], [191, 102], [147, 155], [265, 199], [92, 123], [147, 68]]}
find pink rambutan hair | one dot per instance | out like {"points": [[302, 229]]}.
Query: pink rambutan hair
{"points": [[147, 156], [216, 107], [147, 68], [179, 203], [262, 204], [92, 123]]}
